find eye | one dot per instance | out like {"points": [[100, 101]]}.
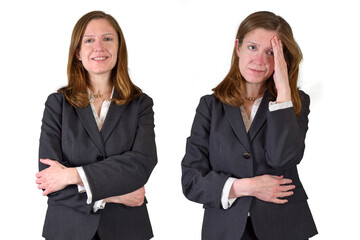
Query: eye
{"points": [[108, 39], [88, 40], [270, 52], [252, 47]]}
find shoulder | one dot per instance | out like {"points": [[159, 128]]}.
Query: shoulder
{"points": [[304, 97], [305, 103], [142, 99], [142, 103], [55, 96], [209, 105], [55, 99], [209, 100], [145, 98]]}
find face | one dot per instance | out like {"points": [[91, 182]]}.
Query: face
{"points": [[256, 58], [99, 48]]}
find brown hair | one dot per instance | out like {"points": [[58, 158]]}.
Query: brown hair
{"points": [[78, 80], [230, 89]]}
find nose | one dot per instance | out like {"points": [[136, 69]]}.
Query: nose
{"points": [[98, 46], [259, 58]]}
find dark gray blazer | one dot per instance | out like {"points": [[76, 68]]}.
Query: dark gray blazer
{"points": [[219, 147], [116, 161]]}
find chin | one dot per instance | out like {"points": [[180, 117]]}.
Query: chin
{"points": [[255, 81]]}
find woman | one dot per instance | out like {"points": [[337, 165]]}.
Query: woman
{"points": [[247, 139], [97, 143]]}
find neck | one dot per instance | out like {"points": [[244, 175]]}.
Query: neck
{"points": [[254, 90], [100, 84]]}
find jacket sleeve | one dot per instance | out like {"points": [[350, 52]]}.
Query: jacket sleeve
{"points": [[129, 171], [51, 147], [285, 139], [200, 182]]}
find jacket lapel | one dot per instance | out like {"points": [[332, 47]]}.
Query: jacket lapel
{"points": [[260, 117], [112, 118], [233, 114], [87, 118]]}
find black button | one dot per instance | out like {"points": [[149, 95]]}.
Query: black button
{"points": [[247, 155], [99, 157]]}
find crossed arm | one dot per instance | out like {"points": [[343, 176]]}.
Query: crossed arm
{"points": [[56, 177]]}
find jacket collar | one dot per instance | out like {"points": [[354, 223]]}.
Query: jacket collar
{"points": [[260, 117], [234, 116], [112, 118]]}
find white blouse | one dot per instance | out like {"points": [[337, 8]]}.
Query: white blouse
{"points": [[99, 122]]}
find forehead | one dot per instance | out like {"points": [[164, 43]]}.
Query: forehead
{"points": [[260, 36], [99, 26]]}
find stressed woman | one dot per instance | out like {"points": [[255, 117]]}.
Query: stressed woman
{"points": [[97, 142], [247, 139]]}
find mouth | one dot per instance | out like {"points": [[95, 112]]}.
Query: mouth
{"points": [[99, 58], [256, 70]]}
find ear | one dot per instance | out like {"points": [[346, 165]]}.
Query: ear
{"points": [[78, 55], [237, 47]]}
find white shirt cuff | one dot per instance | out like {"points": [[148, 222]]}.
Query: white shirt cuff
{"points": [[86, 187], [99, 205], [226, 202], [273, 106]]}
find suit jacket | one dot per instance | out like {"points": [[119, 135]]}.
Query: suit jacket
{"points": [[219, 147], [116, 161]]}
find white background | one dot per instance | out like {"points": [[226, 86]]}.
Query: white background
{"points": [[178, 51]]}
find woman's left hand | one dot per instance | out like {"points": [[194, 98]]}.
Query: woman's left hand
{"points": [[56, 177], [133, 199], [281, 77]]}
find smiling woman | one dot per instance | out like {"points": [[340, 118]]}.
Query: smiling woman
{"points": [[94, 171], [99, 48]]}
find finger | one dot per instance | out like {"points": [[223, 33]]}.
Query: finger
{"points": [[46, 192], [279, 201], [38, 181], [284, 194], [46, 161], [278, 49], [275, 46], [280, 44], [285, 181], [277, 177], [286, 188]]}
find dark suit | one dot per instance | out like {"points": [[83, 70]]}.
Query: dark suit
{"points": [[219, 147], [116, 161]]}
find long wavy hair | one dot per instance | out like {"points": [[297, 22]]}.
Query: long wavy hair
{"points": [[230, 90], [78, 79]]}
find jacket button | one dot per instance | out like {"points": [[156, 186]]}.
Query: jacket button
{"points": [[247, 155], [99, 157]]}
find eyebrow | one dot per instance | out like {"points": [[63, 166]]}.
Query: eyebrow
{"points": [[259, 45], [91, 35], [253, 42]]}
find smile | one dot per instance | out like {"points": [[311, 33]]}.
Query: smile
{"points": [[99, 58]]}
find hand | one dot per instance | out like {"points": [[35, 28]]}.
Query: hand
{"points": [[281, 77], [268, 188], [133, 199], [56, 177]]}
